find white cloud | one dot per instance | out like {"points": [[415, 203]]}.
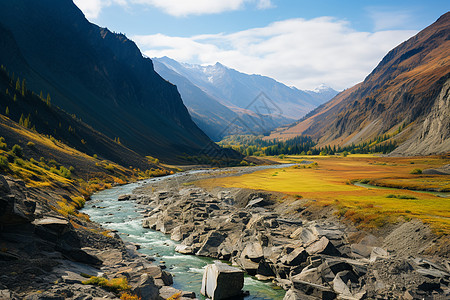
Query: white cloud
{"points": [[298, 52], [384, 18], [180, 8], [177, 8], [92, 8], [264, 4]]}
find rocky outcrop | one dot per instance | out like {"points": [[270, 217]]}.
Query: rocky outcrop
{"points": [[444, 170], [310, 258], [43, 256], [15, 207], [433, 136], [221, 281]]}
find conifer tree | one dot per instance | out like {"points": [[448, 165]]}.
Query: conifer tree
{"points": [[24, 88], [27, 122], [48, 99], [7, 111]]}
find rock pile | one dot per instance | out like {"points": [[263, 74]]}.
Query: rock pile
{"points": [[309, 258], [44, 256]]}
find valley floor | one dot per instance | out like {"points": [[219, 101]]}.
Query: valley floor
{"points": [[307, 227], [309, 246], [329, 181]]}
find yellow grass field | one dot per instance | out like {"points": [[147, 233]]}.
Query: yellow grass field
{"points": [[329, 183]]}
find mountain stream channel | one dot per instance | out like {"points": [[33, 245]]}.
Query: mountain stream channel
{"points": [[187, 270]]}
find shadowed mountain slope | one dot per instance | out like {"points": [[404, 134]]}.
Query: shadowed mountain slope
{"points": [[99, 76]]}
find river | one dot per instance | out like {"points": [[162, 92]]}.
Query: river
{"points": [[370, 186], [187, 270]]}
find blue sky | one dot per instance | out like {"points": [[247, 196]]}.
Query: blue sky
{"points": [[300, 43]]}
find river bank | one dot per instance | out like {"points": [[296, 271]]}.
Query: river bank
{"points": [[307, 251], [276, 238], [187, 271], [45, 255]]}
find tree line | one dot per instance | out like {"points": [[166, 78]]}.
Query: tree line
{"points": [[303, 145]]}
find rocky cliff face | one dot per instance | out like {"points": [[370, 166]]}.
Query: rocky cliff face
{"points": [[406, 88], [99, 76], [433, 136]]}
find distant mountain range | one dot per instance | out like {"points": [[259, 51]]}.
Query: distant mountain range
{"points": [[224, 101], [406, 99], [99, 76]]}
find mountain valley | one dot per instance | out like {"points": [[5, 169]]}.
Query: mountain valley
{"points": [[125, 177], [224, 101]]}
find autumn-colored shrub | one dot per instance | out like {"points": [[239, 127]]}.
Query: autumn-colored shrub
{"points": [[128, 296], [416, 171], [113, 285], [79, 202]]}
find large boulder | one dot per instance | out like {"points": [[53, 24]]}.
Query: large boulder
{"points": [[331, 267], [181, 232], [146, 288], [293, 294], [312, 275], [150, 222], [295, 257], [315, 290], [165, 224], [169, 293], [211, 243], [323, 246], [221, 281], [378, 253], [257, 202], [253, 251], [248, 265], [15, 207], [343, 281], [360, 250], [265, 270], [126, 197], [305, 235], [184, 249], [56, 225], [160, 276]]}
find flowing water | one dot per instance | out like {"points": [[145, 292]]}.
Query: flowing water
{"points": [[369, 186], [187, 270]]}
